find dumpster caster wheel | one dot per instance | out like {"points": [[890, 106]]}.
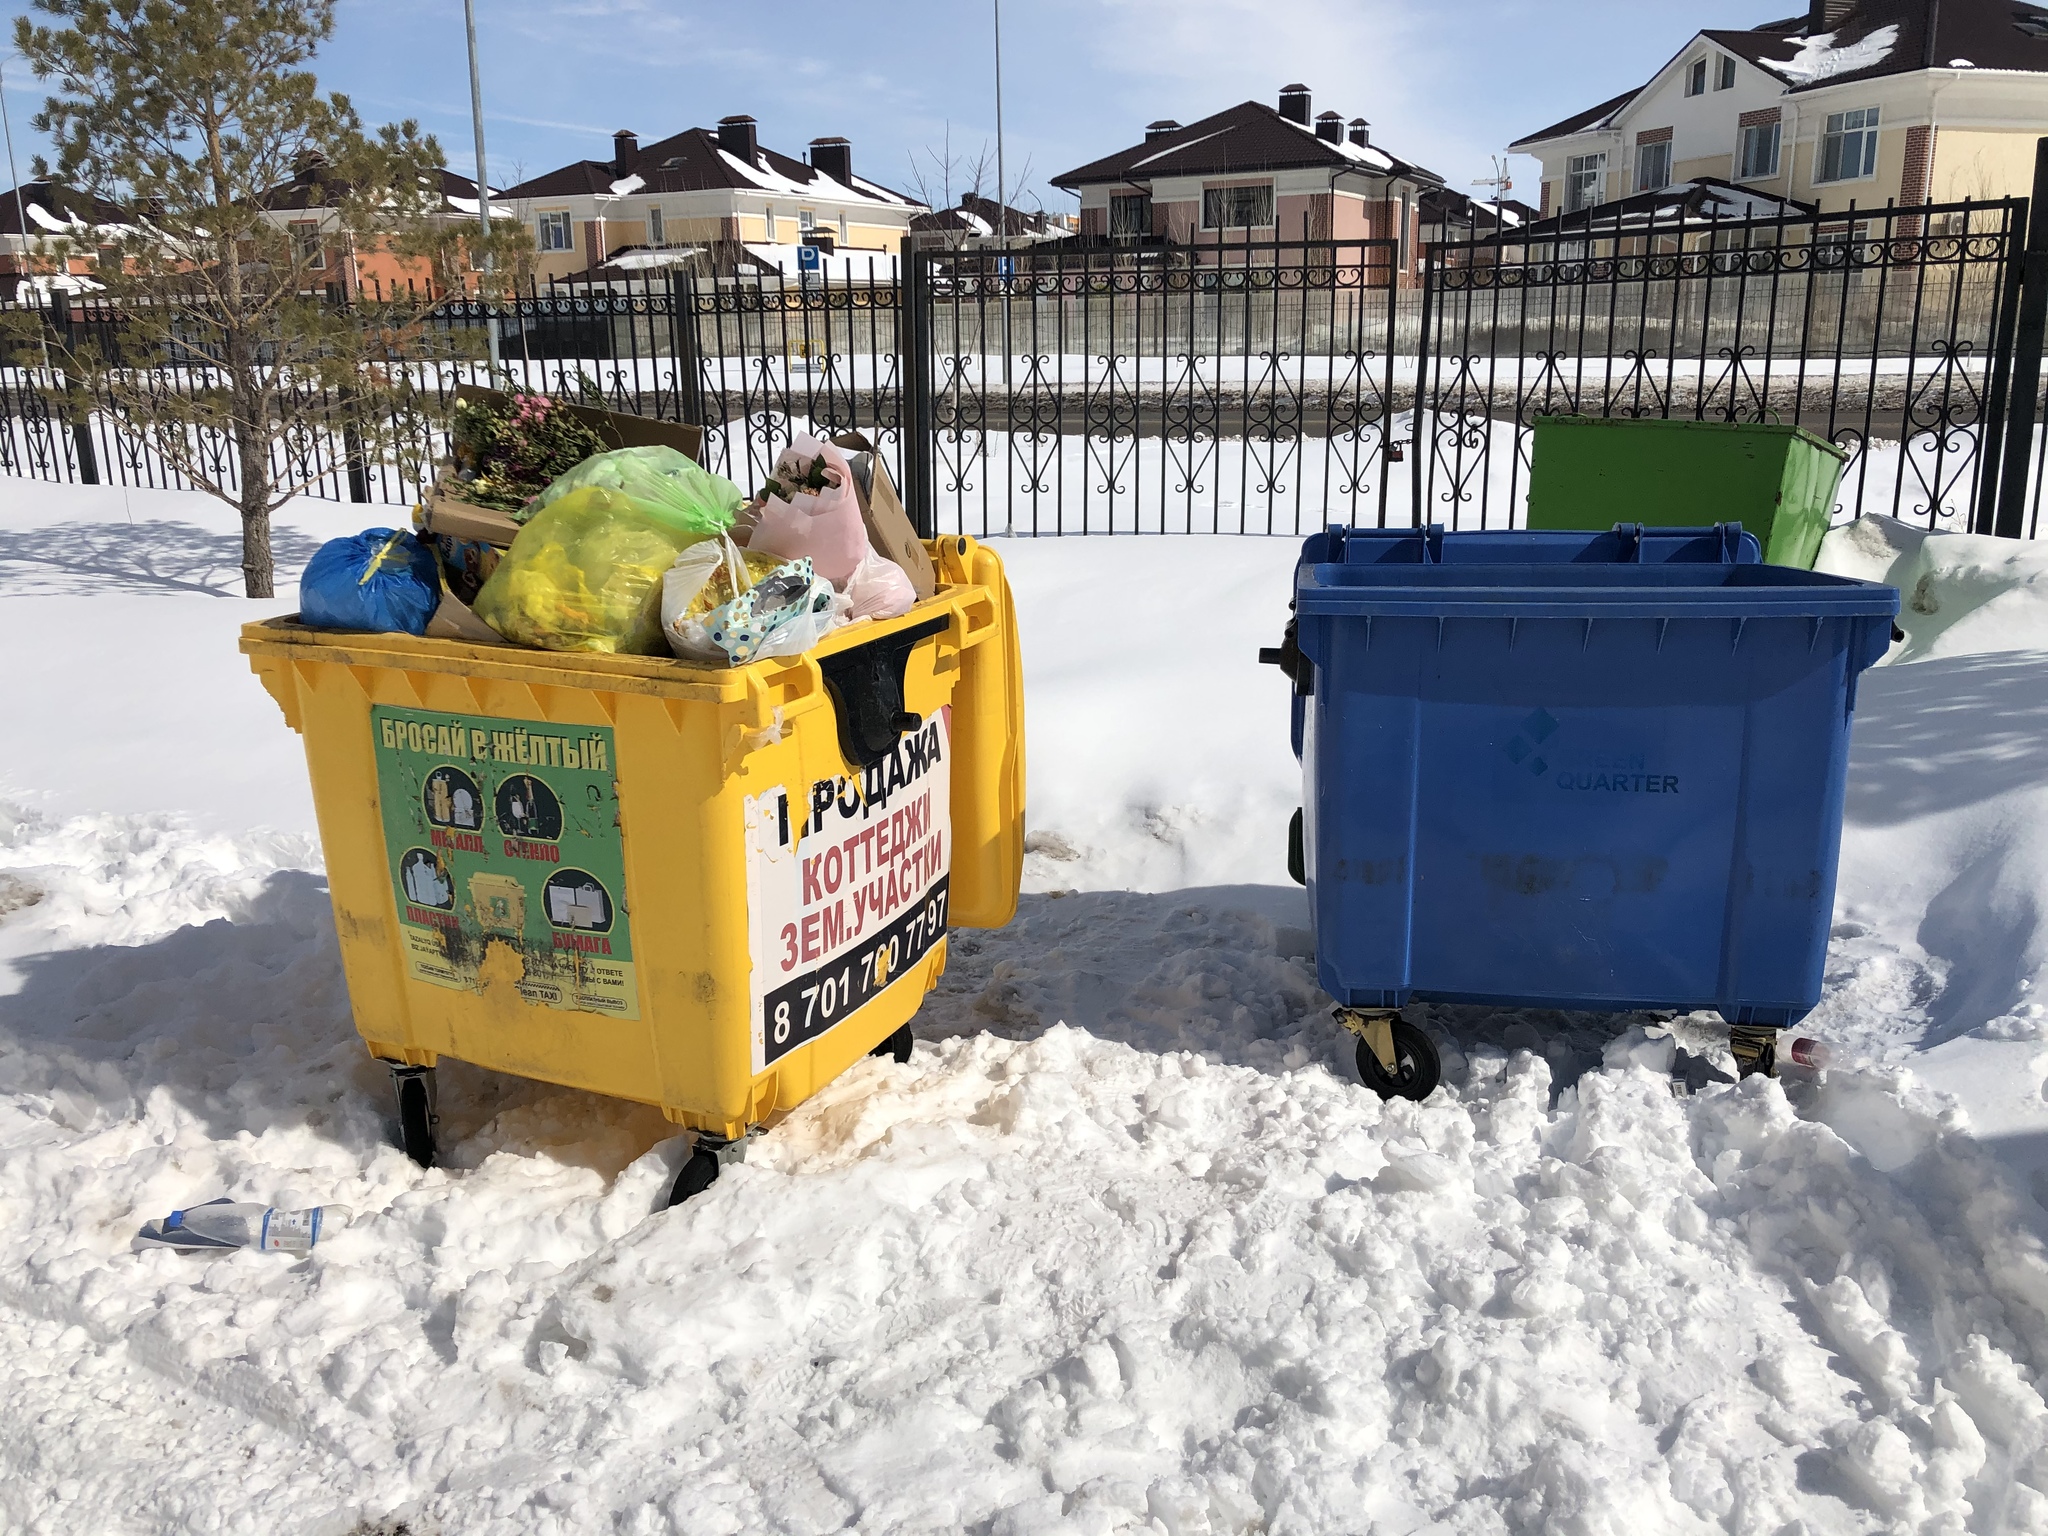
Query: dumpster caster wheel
{"points": [[1755, 1048], [700, 1169], [699, 1173], [416, 1112], [1416, 1069], [897, 1045]]}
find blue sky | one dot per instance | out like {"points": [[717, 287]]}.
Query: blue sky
{"points": [[1446, 84]]}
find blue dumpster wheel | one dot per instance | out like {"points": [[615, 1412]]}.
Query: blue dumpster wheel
{"points": [[898, 1045], [416, 1118], [1417, 1067], [699, 1173], [1297, 855]]}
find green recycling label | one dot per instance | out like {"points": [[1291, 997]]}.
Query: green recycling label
{"points": [[506, 833]]}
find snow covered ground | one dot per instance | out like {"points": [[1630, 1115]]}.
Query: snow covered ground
{"points": [[1125, 1247]]}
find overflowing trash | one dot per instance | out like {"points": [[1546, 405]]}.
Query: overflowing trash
{"points": [[224, 1224], [537, 534]]}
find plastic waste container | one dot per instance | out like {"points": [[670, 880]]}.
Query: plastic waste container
{"points": [[707, 889], [1571, 770], [1779, 482]]}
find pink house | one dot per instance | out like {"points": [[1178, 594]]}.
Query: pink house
{"points": [[1249, 174]]}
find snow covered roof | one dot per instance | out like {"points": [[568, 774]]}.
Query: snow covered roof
{"points": [[53, 210], [696, 161], [1248, 137], [977, 216], [316, 187], [1703, 200]]}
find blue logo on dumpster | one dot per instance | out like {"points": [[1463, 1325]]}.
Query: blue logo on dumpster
{"points": [[1609, 772], [1536, 729]]}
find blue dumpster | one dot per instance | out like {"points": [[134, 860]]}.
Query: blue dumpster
{"points": [[1574, 770]]}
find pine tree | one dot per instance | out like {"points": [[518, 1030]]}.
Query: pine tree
{"points": [[186, 114]]}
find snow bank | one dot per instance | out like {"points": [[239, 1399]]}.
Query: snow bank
{"points": [[1961, 593], [1125, 1247]]}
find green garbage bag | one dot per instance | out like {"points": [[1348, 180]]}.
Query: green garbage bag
{"points": [[674, 486], [584, 574]]}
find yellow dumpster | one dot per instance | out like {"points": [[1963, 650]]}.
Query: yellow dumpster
{"points": [[707, 889]]}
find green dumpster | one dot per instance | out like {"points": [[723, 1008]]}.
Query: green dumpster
{"points": [[1591, 472]]}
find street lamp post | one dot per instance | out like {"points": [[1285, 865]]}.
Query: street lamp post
{"points": [[483, 178]]}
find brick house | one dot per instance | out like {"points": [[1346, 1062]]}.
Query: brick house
{"points": [[1254, 173], [305, 207], [716, 189], [1862, 101]]}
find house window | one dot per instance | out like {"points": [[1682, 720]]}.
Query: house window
{"points": [[554, 232], [1130, 215], [1696, 77], [1724, 74], [307, 250], [1653, 166], [657, 234], [1237, 207], [806, 220], [1582, 175], [1848, 146], [1759, 150]]}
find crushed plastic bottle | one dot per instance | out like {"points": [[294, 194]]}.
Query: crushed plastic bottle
{"points": [[225, 1224]]}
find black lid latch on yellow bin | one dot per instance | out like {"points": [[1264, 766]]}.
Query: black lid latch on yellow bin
{"points": [[866, 685]]}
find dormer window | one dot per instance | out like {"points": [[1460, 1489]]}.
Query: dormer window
{"points": [[1696, 78], [1724, 73]]}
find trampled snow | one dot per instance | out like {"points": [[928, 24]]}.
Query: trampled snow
{"points": [[1125, 1247]]}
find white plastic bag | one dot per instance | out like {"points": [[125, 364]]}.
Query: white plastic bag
{"points": [[879, 588]]}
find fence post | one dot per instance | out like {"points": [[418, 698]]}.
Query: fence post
{"points": [[684, 347], [2027, 339], [1418, 477], [915, 369], [59, 315], [352, 448]]}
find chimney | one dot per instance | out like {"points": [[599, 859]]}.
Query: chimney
{"points": [[1826, 15], [1330, 127], [736, 138], [1160, 129], [1294, 101], [625, 149], [1361, 131], [833, 157]]}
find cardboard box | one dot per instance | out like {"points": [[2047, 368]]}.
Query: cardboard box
{"points": [[442, 512], [889, 526]]}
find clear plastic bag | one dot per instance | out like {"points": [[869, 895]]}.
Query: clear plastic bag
{"points": [[585, 574], [671, 485], [879, 588]]}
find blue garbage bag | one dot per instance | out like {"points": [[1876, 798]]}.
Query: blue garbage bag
{"points": [[380, 579]]}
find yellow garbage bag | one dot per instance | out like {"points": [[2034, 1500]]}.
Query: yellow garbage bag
{"points": [[584, 574]]}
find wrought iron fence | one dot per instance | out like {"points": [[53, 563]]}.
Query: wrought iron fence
{"points": [[754, 359], [1221, 388], [1887, 331], [1266, 387]]}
